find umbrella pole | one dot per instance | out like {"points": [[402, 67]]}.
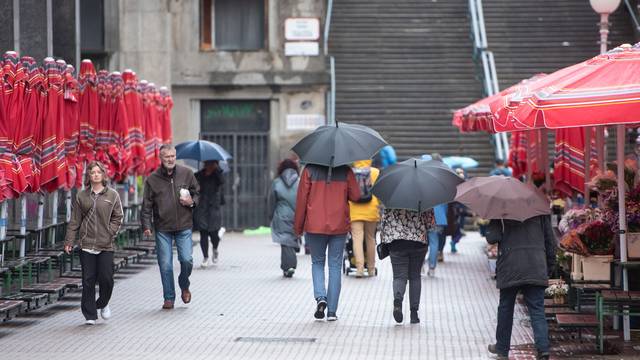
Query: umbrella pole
{"points": [[23, 225], [587, 162], [3, 227], [620, 135], [40, 223]]}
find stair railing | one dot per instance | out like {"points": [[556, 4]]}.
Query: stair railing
{"points": [[331, 94], [633, 14], [486, 68]]}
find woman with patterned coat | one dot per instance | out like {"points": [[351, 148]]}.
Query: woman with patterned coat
{"points": [[405, 233]]}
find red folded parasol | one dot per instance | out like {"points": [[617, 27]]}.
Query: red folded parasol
{"points": [[135, 116]]}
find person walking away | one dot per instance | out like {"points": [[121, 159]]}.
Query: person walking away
{"points": [[405, 232], [207, 215], [96, 217], [500, 169], [526, 257], [322, 213], [284, 190], [170, 194], [365, 214], [434, 239]]}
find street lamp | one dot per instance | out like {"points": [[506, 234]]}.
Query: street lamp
{"points": [[604, 8]]}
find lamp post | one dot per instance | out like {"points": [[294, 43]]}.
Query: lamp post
{"points": [[604, 8]]}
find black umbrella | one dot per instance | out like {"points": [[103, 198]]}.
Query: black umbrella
{"points": [[416, 185], [339, 145]]}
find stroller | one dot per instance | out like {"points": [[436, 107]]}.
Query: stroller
{"points": [[349, 261]]}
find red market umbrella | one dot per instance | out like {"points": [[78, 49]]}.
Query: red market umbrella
{"points": [[569, 164], [119, 148], [604, 90], [151, 127], [72, 126], [104, 130], [135, 115], [53, 166], [88, 110], [518, 151], [35, 101], [166, 103]]}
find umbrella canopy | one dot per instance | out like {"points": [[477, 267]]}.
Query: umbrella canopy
{"points": [[604, 90], [201, 150], [339, 145], [460, 162], [416, 185], [500, 197]]}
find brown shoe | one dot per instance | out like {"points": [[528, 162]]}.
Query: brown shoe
{"points": [[168, 305], [186, 296]]}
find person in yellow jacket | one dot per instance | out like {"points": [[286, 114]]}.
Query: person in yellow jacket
{"points": [[365, 215]]}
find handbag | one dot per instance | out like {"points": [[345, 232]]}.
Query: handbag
{"points": [[383, 250]]}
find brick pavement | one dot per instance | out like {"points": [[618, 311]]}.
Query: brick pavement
{"points": [[244, 309]]}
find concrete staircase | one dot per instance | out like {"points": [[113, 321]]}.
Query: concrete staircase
{"points": [[402, 66]]}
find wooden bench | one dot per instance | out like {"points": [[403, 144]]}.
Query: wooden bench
{"points": [[69, 282], [72, 274], [55, 254], [10, 308], [577, 321], [51, 289], [38, 262], [118, 263], [32, 301], [615, 303]]}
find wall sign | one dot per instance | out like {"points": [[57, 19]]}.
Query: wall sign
{"points": [[304, 121], [301, 48], [302, 29]]}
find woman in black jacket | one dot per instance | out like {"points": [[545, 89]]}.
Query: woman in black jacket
{"points": [[207, 217]]}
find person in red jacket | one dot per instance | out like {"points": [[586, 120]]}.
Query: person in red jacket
{"points": [[322, 213]]}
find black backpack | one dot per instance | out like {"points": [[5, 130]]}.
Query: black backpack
{"points": [[363, 178]]}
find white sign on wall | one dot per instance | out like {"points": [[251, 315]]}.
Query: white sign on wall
{"points": [[301, 48], [297, 29], [304, 121]]}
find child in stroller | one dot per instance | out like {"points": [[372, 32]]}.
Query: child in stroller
{"points": [[349, 262]]}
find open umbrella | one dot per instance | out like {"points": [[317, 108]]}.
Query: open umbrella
{"points": [[464, 162], [500, 197], [416, 185], [339, 145], [201, 150]]}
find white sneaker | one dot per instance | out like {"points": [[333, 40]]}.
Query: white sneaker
{"points": [[214, 259], [90, 322], [205, 263], [431, 272], [105, 312]]}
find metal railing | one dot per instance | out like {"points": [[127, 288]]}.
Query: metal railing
{"points": [[331, 94], [633, 14], [486, 68]]}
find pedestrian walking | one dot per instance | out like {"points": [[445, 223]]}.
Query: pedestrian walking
{"points": [[500, 169], [365, 214], [405, 233], [207, 215], [96, 217], [170, 194], [436, 238], [526, 257], [284, 189], [322, 213]]}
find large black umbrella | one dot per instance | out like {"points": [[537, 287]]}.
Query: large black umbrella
{"points": [[338, 145], [416, 185]]}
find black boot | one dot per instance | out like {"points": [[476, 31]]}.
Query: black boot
{"points": [[397, 310], [414, 316]]}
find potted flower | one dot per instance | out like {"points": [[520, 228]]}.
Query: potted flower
{"points": [[597, 236], [558, 292]]}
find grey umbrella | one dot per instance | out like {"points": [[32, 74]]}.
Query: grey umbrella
{"points": [[416, 185], [339, 145], [500, 197]]}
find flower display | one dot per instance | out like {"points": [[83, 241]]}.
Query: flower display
{"points": [[597, 236]]}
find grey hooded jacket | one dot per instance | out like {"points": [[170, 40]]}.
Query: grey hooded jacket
{"points": [[526, 251], [283, 201]]}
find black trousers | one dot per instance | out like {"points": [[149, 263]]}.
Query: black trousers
{"points": [[96, 268], [204, 241], [288, 257], [407, 258]]}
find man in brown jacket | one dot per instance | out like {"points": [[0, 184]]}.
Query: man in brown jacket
{"points": [[170, 194]]}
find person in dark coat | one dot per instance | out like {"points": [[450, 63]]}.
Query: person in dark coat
{"points": [[283, 206], [526, 257], [207, 217]]}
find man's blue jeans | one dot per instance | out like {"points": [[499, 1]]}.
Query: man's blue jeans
{"points": [[164, 242], [319, 243], [534, 298], [433, 236]]}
